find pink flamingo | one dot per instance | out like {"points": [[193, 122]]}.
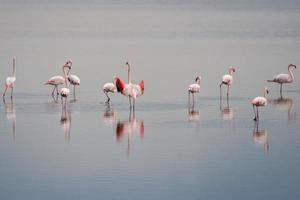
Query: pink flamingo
{"points": [[10, 81], [284, 78], [194, 88], [130, 90], [109, 87], [73, 79], [258, 102], [57, 80], [64, 92], [227, 79]]}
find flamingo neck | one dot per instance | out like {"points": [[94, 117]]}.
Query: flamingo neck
{"points": [[14, 67], [231, 71], [66, 76], [265, 93], [291, 74], [128, 74], [198, 81]]}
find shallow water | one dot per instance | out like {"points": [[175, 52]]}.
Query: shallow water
{"points": [[163, 150]]}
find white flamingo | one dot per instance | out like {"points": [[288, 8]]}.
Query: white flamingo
{"points": [[227, 79], [72, 78], [109, 87], [64, 92], [10, 81], [258, 102], [284, 78], [194, 88], [130, 90]]}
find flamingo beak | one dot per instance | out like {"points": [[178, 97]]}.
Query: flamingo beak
{"points": [[267, 91]]}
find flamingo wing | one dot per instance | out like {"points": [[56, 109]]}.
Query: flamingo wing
{"points": [[281, 78], [259, 101], [194, 87], [109, 87], [55, 80]]}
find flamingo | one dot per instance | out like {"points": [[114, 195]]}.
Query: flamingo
{"points": [[108, 87], [227, 79], [73, 79], [130, 90], [258, 102], [284, 78], [194, 88], [64, 92], [55, 81], [10, 81]]}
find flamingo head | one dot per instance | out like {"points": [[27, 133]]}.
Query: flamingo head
{"points": [[231, 69], [198, 79], [292, 65]]}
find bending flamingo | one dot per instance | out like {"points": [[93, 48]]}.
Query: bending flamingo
{"points": [[73, 79], [10, 81], [194, 88], [130, 90], [109, 87], [55, 81], [258, 102], [227, 79], [284, 78], [64, 92]]}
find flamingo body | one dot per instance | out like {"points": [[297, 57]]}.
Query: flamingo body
{"points": [[64, 92], [55, 80], [109, 87], [227, 79], [10, 81], [73, 79], [194, 88]]}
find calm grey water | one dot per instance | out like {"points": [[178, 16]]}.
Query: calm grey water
{"points": [[163, 150]]}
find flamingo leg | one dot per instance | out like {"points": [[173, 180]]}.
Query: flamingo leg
{"points": [[221, 91], [281, 90], [254, 113], [227, 91], [11, 92], [74, 92], [133, 101], [257, 112], [53, 91], [193, 99], [108, 99], [57, 93], [4, 91], [189, 98], [129, 102]]}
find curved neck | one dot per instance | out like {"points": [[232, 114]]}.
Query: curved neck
{"points": [[14, 67], [291, 73], [265, 93], [66, 76], [231, 71], [128, 73], [198, 81]]}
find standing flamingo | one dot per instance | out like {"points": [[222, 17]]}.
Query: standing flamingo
{"points": [[227, 79], [284, 78], [130, 90], [109, 87], [55, 81], [64, 92], [72, 78], [194, 88], [10, 81], [259, 101]]}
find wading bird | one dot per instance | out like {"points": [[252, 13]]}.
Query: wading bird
{"points": [[64, 92], [108, 87], [284, 78], [10, 81], [132, 91], [258, 102], [194, 88], [72, 78], [227, 79]]}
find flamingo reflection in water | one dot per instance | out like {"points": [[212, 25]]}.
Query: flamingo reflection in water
{"points": [[193, 114], [284, 104], [65, 122], [109, 116], [130, 127], [260, 137], [226, 112], [10, 113]]}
